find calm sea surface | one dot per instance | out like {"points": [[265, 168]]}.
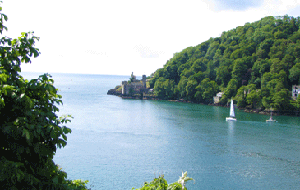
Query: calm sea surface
{"points": [[119, 144]]}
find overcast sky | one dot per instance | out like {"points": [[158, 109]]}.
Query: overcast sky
{"points": [[117, 37]]}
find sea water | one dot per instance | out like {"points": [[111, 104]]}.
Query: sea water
{"points": [[119, 144]]}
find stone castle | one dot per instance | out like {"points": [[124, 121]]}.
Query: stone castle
{"points": [[134, 86]]}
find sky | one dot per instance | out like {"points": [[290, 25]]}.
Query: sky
{"points": [[118, 37]]}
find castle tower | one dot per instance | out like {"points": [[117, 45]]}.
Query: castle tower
{"points": [[144, 80], [124, 88]]}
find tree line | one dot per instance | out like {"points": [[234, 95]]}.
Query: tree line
{"points": [[256, 64]]}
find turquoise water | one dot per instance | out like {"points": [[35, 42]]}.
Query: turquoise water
{"points": [[119, 144]]}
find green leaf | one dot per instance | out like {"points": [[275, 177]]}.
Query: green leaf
{"points": [[26, 134], [64, 137], [66, 130], [5, 17], [55, 180]]}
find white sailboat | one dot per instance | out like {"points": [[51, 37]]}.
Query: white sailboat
{"points": [[231, 113], [271, 117]]}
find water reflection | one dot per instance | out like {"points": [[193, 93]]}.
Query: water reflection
{"points": [[230, 132], [231, 125]]}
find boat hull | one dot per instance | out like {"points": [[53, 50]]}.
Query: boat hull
{"points": [[271, 120], [230, 119]]}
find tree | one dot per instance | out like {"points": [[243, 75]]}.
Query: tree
{"points": [[296, 104], [30, 130], [241, 97], [295, 73], [191, 88], [161, 184], [223, 75], [209, 90], [183, 179], [254, 98], [198, 76], [182, 87], [164, 88], [277, 65], [230, 91], [281, 100], [159, 87], [157, 183], [239, 70], [198, 95], [263, 53]]}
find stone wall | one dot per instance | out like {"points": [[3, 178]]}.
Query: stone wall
{"points": [[134, 87]]}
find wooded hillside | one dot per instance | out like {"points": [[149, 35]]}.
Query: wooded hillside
{"points": [[255, 64]]}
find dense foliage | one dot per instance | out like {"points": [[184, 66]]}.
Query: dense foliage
{"points": [[30, 130], [161, 184], [256, 64]]}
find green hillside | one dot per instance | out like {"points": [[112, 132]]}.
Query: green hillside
{"points": [[255, 64]]}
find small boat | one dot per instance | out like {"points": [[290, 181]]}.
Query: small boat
{"points": [[271, 118], [231, 113]]}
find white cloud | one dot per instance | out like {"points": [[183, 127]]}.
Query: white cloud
{"points": [[120, 37]]}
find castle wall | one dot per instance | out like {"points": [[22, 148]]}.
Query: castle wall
{"points": [[136, 86]]}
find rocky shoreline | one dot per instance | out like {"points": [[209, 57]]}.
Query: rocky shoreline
{"points": [[135, 97], [151, 97]]}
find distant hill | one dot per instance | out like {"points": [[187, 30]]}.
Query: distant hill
{"points": [[256, 64]]}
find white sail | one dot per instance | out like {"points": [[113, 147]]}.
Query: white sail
{"points": [[271, 117], [231, 113], [231, 109]]}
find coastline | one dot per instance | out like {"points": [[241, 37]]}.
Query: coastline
{"points": [[247, 110]]}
